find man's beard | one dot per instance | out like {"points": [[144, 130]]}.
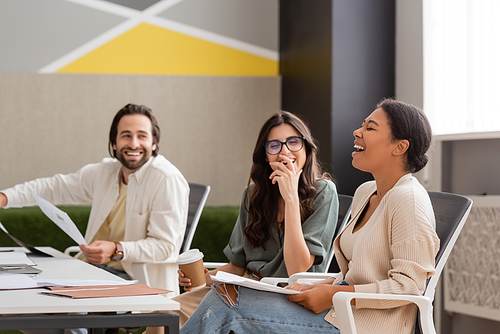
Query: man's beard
{"points": [[132, 165]]}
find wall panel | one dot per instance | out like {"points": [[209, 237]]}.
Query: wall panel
{"points": [[54, 123]]}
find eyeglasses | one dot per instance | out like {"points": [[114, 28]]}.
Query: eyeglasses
{"points": [[293, 144]]}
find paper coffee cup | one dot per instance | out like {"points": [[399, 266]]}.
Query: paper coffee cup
{"points": [[191, 264]]}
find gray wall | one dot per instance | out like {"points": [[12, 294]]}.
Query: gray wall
{"points": [[53, 123], [56, 123]]}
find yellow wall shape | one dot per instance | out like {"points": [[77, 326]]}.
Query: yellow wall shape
{"points": [[148, 49]]}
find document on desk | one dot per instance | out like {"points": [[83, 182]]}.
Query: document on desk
{"points": [[18, 269], [17, 258], [16, 282], [104, 291], [47, 282], [61, 219], [223, 277]]}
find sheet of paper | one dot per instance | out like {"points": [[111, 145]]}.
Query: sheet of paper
{"points": [[15, 258], [17, 281], [61, 219], [81, 282], [223, 277]]}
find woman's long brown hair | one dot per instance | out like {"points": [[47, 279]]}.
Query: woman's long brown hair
{"points": [[264, 198]]}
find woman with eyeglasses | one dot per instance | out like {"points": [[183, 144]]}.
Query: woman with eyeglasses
{"points": [[288, 212], [388, 246]]}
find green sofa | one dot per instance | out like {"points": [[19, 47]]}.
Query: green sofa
{"points": [[33, 227]]}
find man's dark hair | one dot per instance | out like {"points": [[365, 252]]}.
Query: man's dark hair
{"points": [[133, 109]]}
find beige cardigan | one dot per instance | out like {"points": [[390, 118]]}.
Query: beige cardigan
{"points": [[393, 253]]}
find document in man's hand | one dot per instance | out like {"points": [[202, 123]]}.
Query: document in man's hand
{"points": [[61, 219], [104, 291], [223, 277]]}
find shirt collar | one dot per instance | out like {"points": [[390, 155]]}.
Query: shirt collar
{"points": [[139, 174]]}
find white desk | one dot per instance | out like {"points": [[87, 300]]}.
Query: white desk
{"points": [[62, 266]]}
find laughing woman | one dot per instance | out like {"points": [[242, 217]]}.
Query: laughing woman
{"points": [[288, 213], [389, 245]]}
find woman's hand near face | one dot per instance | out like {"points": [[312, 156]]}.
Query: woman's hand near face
{"points": [[295, 251], [287, 176]]}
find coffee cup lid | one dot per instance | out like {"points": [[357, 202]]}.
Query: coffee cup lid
{"points": [[190, 256]]}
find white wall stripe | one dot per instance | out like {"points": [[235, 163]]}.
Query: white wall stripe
{"points": [[212, 37], [108, 7], [161, 6], [90, 46], [148, 15]]}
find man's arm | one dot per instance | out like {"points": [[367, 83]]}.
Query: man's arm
{"points": [[3, 200], [74, 188]]}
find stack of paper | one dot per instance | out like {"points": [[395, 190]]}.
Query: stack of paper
{"points": [[80, 282], [15, 282], [104, 291], [15, 258]]}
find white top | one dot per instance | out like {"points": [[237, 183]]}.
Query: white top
{"points": [[157, 208], [347, 240]]}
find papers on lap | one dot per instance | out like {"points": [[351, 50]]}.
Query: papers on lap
{"points": [[223, 277]]}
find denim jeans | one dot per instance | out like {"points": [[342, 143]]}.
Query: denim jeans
{"points": [[255, 312]]}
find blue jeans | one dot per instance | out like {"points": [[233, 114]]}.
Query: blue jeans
{"points": [[255, 312]]}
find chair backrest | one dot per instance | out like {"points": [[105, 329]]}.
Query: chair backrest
{"points": [[451, 212], [345, 202], [198, 194]]}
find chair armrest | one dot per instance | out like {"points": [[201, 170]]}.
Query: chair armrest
{"points": [[298, 277], [308, 277], [274, 280], [71, 249], [343, 309], [213, 265]]}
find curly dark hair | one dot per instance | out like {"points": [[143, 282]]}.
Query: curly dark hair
{"points": [[263, 197]]}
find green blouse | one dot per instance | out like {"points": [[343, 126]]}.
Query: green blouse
{"points": [[318, 232]]}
